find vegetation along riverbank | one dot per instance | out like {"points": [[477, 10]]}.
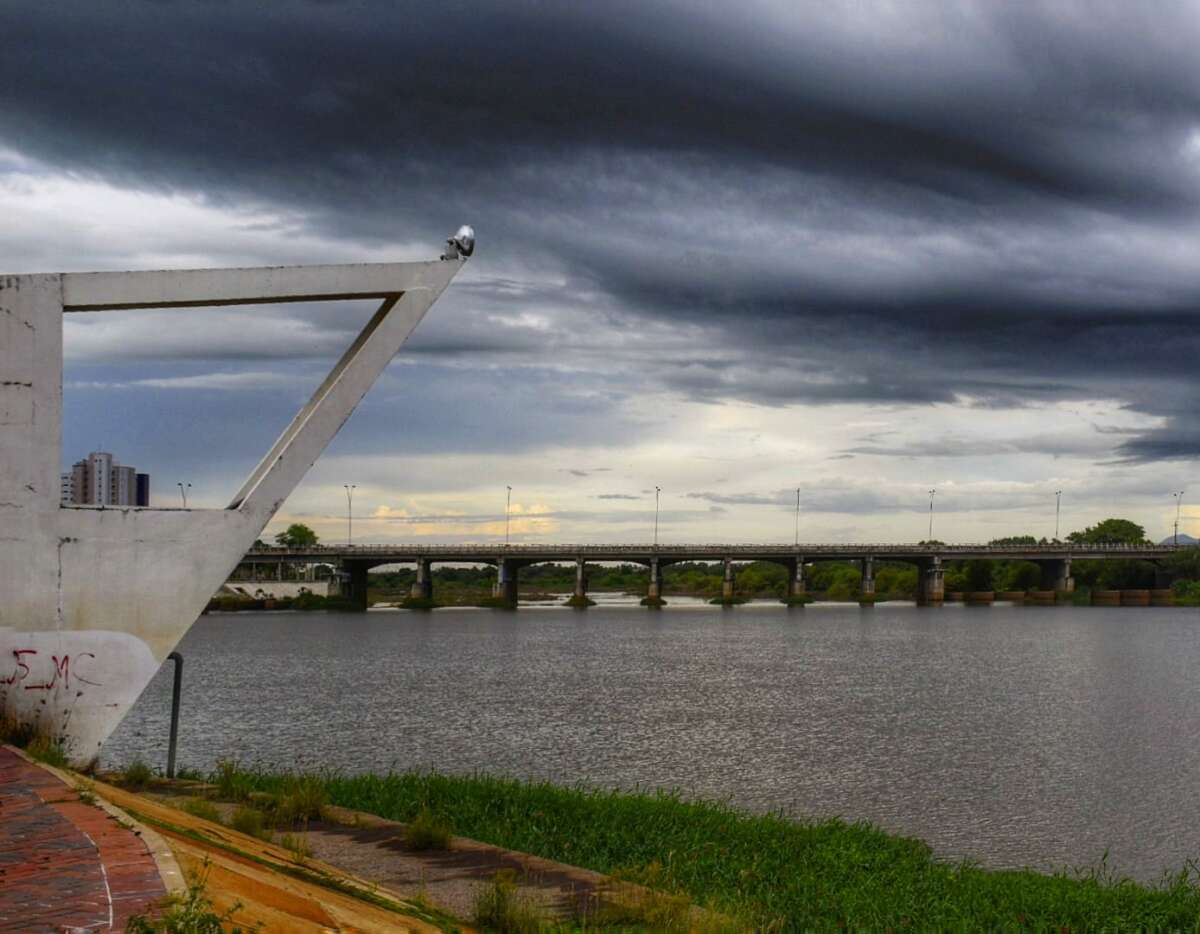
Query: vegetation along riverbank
{"points": [[763, 871]]}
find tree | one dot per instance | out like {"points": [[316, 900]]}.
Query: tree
{"points": [[297, 535], [1019, 575], [1110, 532], [979, 574], [1015, 540]]}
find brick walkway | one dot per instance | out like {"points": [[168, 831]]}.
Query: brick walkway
{"points": [[66, 865]]}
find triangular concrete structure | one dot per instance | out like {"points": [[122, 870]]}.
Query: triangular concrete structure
{"points": [[92, 599]]}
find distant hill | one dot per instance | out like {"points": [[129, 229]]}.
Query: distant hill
{"points": [[1184, 539]]}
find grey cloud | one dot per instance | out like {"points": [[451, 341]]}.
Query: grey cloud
{"points": [[1003, 217]]}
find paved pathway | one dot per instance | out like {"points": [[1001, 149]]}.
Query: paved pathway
{"points": [[66, 865]]}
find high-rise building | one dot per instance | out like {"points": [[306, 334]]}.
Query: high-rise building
{"points": [[100, 481], [123, 488], [98, 491]]}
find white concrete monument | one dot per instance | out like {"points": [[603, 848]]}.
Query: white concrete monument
{"points": [[93, 598]]}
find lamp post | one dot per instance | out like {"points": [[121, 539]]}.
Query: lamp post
{"points": [[931, 492], [349, 488], [797, 539], [507, 508], [1057, 511], [1178, 502], [183, 488], [657, 492]]}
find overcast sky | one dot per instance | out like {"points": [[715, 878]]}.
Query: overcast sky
{"points": [[862, 249]]}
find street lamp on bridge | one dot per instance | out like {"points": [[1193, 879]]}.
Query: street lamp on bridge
{"points": [[931, 492], [1057, 510], [797, 541], [1178, 502], [349, 488], [507, 510], [657, 492], [183, 488]]}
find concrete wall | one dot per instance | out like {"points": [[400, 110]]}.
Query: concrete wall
{"points": [[93, 599]]}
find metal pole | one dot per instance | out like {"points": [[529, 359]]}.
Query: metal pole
{"points": [[797, 542], [1178, 502], [507, 510], [349, 488], [183, 492], [1057, 510], [657, 491], [931, 492], [178, 659]]}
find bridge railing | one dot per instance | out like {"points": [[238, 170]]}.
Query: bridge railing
{"points": [[709, 549]]}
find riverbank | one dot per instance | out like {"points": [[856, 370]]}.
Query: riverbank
{"points": [[762, 870]]}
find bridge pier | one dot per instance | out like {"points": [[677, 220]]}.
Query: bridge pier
{"points": [[506, 581], [422, 588], [868, 576], [931, 583], [581, 581], [795, 583], [579, 600], [729, 583], [352, 584], [654, 590], [1056, 575]]}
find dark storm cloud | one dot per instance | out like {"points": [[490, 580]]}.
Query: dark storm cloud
{"points": [[992, 203]]}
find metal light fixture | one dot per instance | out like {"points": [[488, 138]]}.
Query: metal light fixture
{"points": [[349, 488], [931, 492], [461, 244]]}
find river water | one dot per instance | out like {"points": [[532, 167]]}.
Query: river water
{"points": [[1012, 736]]}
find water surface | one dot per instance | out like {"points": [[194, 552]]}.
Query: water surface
{"points": [[1009, 735]]}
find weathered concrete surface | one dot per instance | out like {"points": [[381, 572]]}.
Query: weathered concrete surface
{"points": [[93, 599], [274, 589]]}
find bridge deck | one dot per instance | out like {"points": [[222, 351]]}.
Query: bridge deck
{"points": [[745, 552]]}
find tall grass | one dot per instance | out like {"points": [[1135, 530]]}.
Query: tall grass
{"points": [[763, 869]]}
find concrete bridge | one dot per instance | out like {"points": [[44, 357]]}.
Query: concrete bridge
{"points": [[353, 562]]}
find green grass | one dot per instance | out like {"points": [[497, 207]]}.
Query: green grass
{"points": [[202, 808], [428, 831], [136, 775], [47, 750], [500, 908], [251, 822], [765, 870]]}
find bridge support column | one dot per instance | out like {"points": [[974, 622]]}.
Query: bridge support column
{"points": [[579, 599], [931, 583], [868, 577], [422, 588], [506, 582], [352, 585], [1056, 575], [729, 583], [654, 590], [795, 584], [580, 578]]}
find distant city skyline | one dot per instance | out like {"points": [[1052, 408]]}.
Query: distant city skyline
{"points": [[100, 480], [864, 251]]}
